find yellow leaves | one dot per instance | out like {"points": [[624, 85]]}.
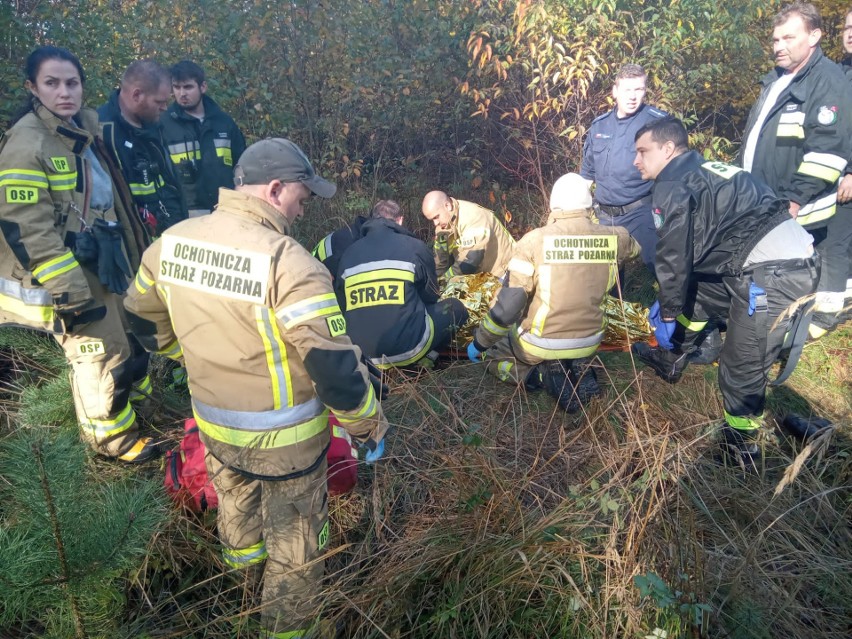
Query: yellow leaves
{"points": [[406, 91], [345, 128], [476, 182], [492, 198]]}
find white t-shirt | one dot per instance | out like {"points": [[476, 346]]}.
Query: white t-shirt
{"points": [[775, 90]]}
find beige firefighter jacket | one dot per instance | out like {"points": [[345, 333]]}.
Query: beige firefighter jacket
{"points": [[264, 342], [45, 185], [564, 269], [476, 242]]}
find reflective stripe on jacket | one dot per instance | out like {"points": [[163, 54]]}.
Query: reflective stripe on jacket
{"points": [[204, 153], [476, 243], [44, 193], [806, 138], [385, 280], [262, 337], [565, 269]]}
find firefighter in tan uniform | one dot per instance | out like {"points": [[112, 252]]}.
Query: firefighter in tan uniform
{"points": [[549, 318], [468, 238], [267, 356], [67, 247]]}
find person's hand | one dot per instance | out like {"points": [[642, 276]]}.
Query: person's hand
{"points": [[794, 210], [844, 189], [473, 353], [374, 454], [663, 329]]}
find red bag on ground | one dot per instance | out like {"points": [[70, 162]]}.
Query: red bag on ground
{"points": [[342, 460], [186, 474]]}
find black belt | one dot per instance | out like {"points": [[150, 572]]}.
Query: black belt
{"points": [[615, 211]]}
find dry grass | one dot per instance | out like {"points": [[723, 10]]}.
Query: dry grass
{"points": [[494, 515]]}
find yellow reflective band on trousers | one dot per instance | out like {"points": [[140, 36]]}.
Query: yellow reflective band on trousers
{"points": [[172, 350], [689, 325], [63, 181], [23, 177], [141, 390], [744, 423], [57, 266], [105, 428], [264, 429], [504, 371], [242, 557], [276, 357], [308, 309]]}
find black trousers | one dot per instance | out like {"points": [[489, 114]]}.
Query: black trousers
{"points": [[753, 342], [834, 244]]}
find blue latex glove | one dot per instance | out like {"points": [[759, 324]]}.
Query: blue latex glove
{"points": [[473, 353], [663, 331], [373, 456]]}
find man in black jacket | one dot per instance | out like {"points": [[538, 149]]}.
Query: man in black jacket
{"points": [[798, 140], [131, 130], [388, 282], [204, 142], [728, 250]]}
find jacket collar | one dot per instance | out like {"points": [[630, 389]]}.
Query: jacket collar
{"points": [[381, 224], [561, 214], [795, 83], [678, 164], [252, 207], [211, 110], [71, 135], [146, 130]]}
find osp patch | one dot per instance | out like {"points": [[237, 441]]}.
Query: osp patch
{"points": [[659, 218]]}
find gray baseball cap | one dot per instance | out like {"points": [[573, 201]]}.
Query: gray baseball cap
{"points": [[279, 159]]}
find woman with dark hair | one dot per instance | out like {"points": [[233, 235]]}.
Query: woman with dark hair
{"points": [[68, 246]]}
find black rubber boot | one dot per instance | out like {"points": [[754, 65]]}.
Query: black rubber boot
{"points": [[708, 351], [558, 385], [740, 447], [584, 378], [803, 427], [533, 381], [666, 364]]}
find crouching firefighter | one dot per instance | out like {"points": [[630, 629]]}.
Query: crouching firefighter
{"points": [[549, 320], [67, 248], [267, 356], [728, 250]]}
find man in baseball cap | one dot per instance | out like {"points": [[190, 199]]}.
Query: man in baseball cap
{"points": [[279, 159], [264, 341]]}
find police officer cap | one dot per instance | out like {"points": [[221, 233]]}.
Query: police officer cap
{"points": [[279, 159], [571, 192]]}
